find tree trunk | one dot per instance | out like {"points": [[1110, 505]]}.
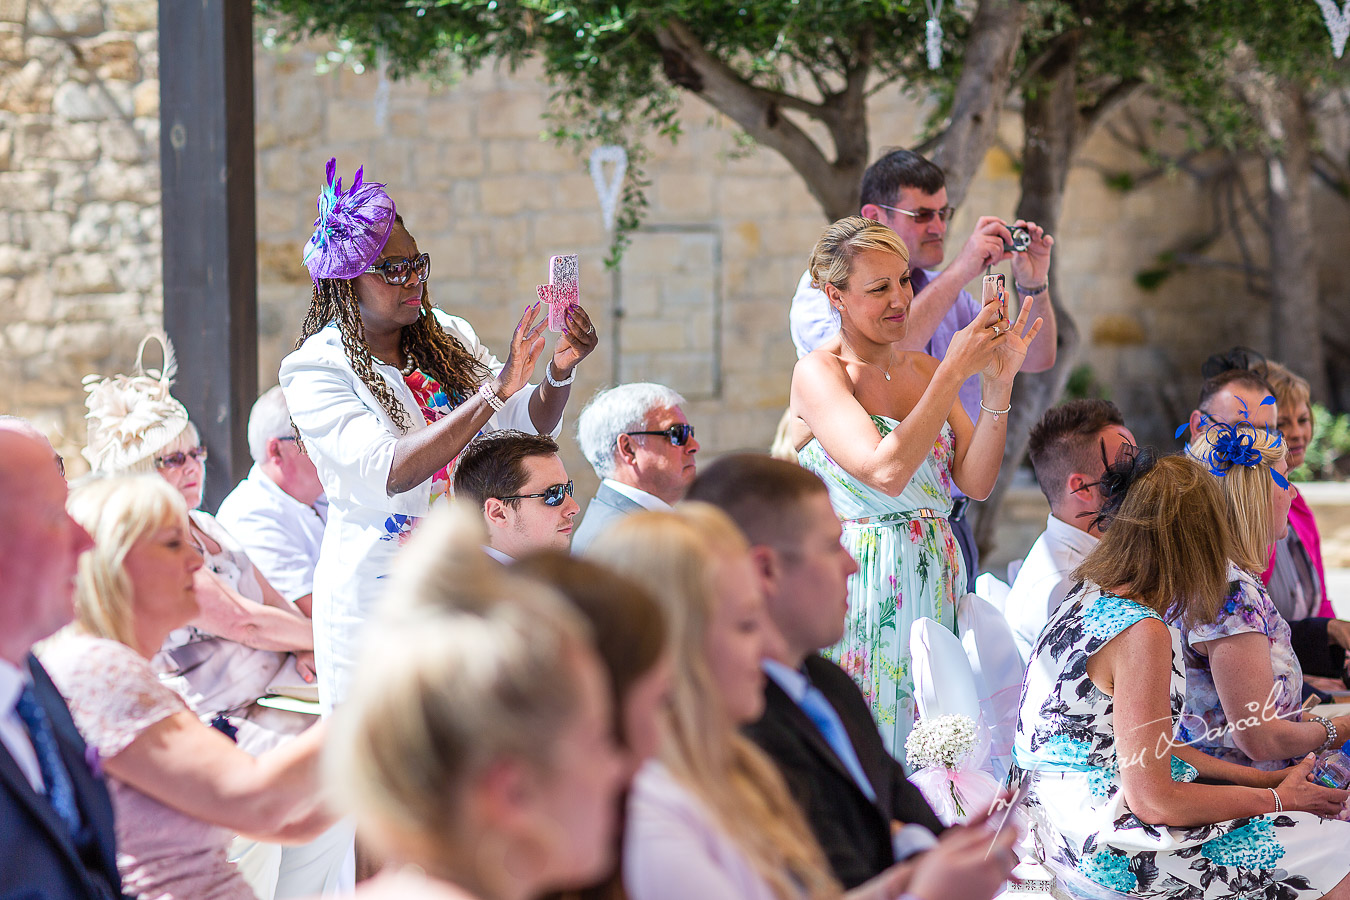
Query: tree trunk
{"points": [[1295, 323], [1051, 135], [980, 93]]}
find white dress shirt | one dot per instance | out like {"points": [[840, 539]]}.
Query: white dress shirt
{"points": [[13, 733], [498, 555], [1044, 580], [639, 496], [281, 535]]}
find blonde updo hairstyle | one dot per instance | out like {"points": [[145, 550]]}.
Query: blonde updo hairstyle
{"points": [[832, 259], [1246, 491], [1291, 390], [465, 666], [117, 511], [679, 556]]}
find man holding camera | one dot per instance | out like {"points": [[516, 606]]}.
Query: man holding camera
{"points": [[907, 193]]}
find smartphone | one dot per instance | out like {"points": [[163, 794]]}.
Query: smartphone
{"points": [[994, 292], [563, 290]]}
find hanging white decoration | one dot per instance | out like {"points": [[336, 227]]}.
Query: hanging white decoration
{"points": [[933, 35], [1338, 23], [608, 186]]}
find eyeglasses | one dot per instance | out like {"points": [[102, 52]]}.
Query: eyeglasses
{"points": [[397, 271], [179, 459], [921, 216], [679, 435], [61, 465], [553, 494]]}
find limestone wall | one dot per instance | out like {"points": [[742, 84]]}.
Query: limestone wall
{"points": [[700, 301], [79, 201]]}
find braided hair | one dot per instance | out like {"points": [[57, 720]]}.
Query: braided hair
{"points": [[440, 355]]}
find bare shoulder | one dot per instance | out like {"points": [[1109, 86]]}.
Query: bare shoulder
{"points": [[823, 362]]}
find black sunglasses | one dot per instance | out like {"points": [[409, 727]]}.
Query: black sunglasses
{"points": [[397, 271], [679, 435], [553, 494]]}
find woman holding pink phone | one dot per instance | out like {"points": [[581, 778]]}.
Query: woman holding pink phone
{"points": [[889, 437], [385, 390]]}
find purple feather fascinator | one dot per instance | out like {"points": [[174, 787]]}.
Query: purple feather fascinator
{"points": [[351, 229]]}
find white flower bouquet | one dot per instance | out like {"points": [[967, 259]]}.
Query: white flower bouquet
{"points": [[947, 752]]}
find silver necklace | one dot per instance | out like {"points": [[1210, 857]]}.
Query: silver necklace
{"points": [[886, 371]]}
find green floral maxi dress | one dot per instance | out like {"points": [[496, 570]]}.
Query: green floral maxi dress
{"points": [[909, 566]]}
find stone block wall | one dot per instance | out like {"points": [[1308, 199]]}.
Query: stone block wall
{"points": [[79, 201]]}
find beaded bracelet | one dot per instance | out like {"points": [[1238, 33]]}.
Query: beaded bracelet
{"points": [[1279, 807], [490, 397]]}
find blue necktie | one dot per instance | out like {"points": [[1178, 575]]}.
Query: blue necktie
{"points": [[60, 791], [831, 727]]}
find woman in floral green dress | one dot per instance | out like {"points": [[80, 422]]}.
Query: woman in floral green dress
{"points": [[1109, 785], [889, 438]]}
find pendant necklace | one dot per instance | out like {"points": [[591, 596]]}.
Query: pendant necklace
{"points": [[886, 371]]}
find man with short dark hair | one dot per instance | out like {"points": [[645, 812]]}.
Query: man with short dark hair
{"points": [[55, 815], [1070, 448], [519, 483], [1233, 396], [908, 194], [816, 725]]}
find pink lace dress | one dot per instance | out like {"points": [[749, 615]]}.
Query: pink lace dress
{"points": [[163, 854]]}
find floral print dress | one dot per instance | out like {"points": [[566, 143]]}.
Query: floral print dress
{"points": [[909, 566], [1065, 755], [1248, 609]]}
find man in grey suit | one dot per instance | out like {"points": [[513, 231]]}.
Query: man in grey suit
{"points": [[639, 442]]}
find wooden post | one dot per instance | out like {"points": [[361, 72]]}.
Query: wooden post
{"points": [[210, 268]]}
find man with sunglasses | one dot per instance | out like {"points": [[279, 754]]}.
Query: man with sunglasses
{"points": [[639, 442], [519, 483], [1070, 448], [908, 194]]}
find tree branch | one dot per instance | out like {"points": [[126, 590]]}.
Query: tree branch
{"points": [[758, 111]]}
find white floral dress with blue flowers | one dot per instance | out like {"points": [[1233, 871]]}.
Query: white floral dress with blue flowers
{"points": [[1065, 750]]}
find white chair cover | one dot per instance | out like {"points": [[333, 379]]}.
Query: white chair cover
{"points": [[997, 667], [994, 589], [944, 683]]}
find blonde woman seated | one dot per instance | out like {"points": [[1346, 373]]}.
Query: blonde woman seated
{"points": [[1244, 684], [1095, 745], [475, 746], [711, 817], [180, 789], [224, 660]]}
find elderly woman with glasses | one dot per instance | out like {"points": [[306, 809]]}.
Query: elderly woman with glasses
{"points": [[385, 390], [246, 641]]}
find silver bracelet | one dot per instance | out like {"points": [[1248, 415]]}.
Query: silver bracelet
{"points": [[490, 396], [996, 412], [1279, 807], [548, 373], [1331, 732], [1031, 292]]}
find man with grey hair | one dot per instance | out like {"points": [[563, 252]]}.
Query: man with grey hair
{"points": [[639, 442], [278, 512]]}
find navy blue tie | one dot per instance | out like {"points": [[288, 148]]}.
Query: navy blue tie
{"points": [[60, 791]]}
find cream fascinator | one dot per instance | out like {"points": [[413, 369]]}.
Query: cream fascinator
{"points": [[132, 418]]}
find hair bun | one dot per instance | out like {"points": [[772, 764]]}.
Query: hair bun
{"points": [[1131, 464], [1238, 357]]}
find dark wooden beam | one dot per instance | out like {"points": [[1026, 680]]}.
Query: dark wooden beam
{"points": [[210, 271]]}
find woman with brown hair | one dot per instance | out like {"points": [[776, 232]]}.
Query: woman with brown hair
{"points": [[385, 390], [1109, 784]]}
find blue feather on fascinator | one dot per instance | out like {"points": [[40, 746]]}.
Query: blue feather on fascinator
{"points": [[1235, 445]]}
